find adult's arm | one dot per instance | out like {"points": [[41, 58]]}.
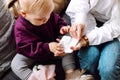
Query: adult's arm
{"points": [[77, 10], [110, 29]]}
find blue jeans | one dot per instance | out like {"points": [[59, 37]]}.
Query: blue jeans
{"points": [[104, 58]]}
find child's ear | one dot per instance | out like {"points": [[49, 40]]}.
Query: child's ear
{"points": [[23, 13]]}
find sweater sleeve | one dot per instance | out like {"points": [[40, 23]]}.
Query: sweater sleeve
{"points": [[37, 51]]}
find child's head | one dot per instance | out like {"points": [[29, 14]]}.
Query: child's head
{"points": [[36, 11]]}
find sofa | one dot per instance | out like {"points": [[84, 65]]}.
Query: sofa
{"points": [[6, 73]]}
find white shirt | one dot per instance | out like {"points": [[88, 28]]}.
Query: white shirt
{"points": [[107, 11]]}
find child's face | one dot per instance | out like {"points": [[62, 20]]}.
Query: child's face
{"points": [[39, 18]]}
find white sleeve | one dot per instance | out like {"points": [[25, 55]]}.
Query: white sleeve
{"points": [[77, 10], [107, 32], [103, 34]]}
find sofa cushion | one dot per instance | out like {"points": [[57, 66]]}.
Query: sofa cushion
{"points": [[7, 43], [60, 5]]}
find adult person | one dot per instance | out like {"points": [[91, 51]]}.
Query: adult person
{"points": [[103, 51]]}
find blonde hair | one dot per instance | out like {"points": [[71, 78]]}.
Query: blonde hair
{"points": [[28, 5], [13, 6], [35, 5]]}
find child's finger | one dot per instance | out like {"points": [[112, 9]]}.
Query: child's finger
{"points": [[58, 40]]}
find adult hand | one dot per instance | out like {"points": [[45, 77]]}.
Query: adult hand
{"points": [[77, 47], [77, 30], [80, 44]]}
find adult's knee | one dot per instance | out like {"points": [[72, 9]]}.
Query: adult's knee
{"points": [[107, 73], [89, 58], [91, 53]]}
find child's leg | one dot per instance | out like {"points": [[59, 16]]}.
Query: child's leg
{"points": [[69, 67], [20, 66], [68, 63]]}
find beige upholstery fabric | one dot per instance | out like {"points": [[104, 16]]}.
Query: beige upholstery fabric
{"points": [[60, 5]]}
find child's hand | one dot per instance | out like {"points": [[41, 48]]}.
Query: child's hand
{"points": [[56, 48], [64, 29]]}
